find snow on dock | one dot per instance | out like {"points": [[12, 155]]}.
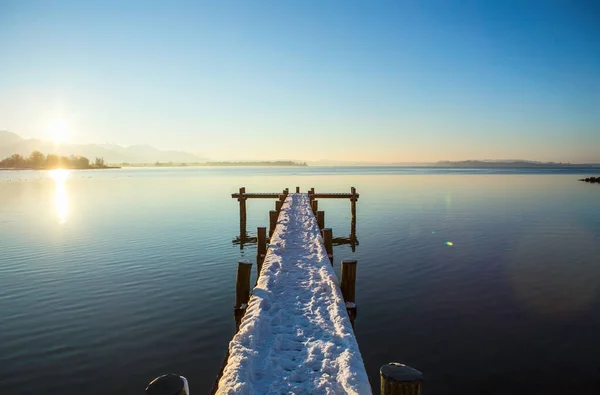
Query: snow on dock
{"points": [[296, 336]]}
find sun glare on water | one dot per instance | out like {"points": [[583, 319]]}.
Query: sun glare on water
{"points": [[59, 131], [61, 200]]}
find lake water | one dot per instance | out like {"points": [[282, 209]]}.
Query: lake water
{"points": [[488, 281]]}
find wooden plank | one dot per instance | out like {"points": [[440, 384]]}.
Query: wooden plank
{"points": [[334, 195], [269, 195], [275, 195]]}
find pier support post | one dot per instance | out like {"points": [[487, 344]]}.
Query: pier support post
{"points": [[242, 200], [273, 215], [168, 384], [353, 200], [261, 249], [315, 206], [399, 379], [348, 287], [278, 204], [321, 219], [297, 189], [242, 291], [327, 234]]}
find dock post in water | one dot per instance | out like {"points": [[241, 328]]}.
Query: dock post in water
{"points": [[278, 204], [273, 215], [328, 240], [399, 379], [297, 189], [168, 384], [242, 291], [261, 248], [242, 200], [321, 219], [348, 287], [315, 206]]}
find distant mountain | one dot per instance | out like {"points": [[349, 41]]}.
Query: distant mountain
{"points": [[11, 143]]}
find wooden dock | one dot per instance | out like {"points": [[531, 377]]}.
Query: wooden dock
{"points": [[295, 328]]}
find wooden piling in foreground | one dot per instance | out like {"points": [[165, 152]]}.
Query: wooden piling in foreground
{"points": [[273, 215], [321, 219], [348, 287], [348, 282], [261, 249], [242, 290], [315, 206], [399, 379], [353, 200], [327, 234]]}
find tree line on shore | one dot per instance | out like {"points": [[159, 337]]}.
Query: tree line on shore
{"points": [[37, 160]]}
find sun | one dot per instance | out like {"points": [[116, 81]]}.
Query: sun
{"points": [[59, 131]]}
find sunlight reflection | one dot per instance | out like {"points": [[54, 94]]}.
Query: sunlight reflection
{"points": [[61, 200]]}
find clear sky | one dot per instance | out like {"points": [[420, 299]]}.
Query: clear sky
{"points": [[343, 80]]}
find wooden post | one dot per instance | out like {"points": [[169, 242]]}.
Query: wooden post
{"points": [[168, 384], [399, 379], [273, 215], [321, 219], [261, 249], [312, 191], [242, 291], [353, 200], [348, 287], [297, 189], [328, 240], [282, 197], [242, 200], [315, 206], [278, 204]]}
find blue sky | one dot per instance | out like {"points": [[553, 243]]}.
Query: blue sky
{"points": [[343, 80]]}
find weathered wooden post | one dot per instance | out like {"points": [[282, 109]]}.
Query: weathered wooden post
{"points": [[315, 206], [242, 291], [321, 219], [282, 197], [348, 287], [399, 379], [297, 189], [273, 215], [261, 249], [312, 191], [327, 234], [242, 200], [353, 200], [168, 384], [278, 204]]}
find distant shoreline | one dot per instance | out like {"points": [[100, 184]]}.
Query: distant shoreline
{"points": [[58, 168]]}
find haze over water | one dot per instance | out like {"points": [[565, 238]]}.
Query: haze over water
{"points": [[488, 283]]}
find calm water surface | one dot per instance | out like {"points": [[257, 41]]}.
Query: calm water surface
{"points": [[110, 278]]}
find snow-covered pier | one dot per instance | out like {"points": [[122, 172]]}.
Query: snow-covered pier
{"points": [[296, 335], [294, 331]]}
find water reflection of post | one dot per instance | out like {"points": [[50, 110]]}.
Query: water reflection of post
{"points": [[353, 200], [242, 200]]}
